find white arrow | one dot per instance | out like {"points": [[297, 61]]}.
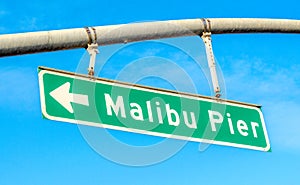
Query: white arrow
{"points": [[63, 96]]}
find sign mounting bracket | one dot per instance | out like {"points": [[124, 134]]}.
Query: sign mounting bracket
{"points": [[206, 37], [92, 49]]}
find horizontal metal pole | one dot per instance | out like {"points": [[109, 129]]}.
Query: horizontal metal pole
{"points": [[34, 42]]}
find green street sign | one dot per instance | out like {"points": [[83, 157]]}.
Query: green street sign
{"points": [[80, 99]]}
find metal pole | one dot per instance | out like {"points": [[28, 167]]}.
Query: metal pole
{"points": [[34, 42]]}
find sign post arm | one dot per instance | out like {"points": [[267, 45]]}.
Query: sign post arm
{"points": [[35, 42]]}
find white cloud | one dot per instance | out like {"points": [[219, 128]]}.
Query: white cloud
{"points": [[173, 66], [29, 23], [160, 68], [250, 79], [283, 124], [276, 88]]}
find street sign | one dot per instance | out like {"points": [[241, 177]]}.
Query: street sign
{"points": [[80, 99]]}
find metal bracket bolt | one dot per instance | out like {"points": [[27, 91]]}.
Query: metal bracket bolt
{"points": [[92, 49]]}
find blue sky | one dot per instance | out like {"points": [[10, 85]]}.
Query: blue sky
{"points": [[257, 68]]}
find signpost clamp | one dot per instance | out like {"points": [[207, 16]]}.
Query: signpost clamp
{"points": [[92, 49], [206, 37]]}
